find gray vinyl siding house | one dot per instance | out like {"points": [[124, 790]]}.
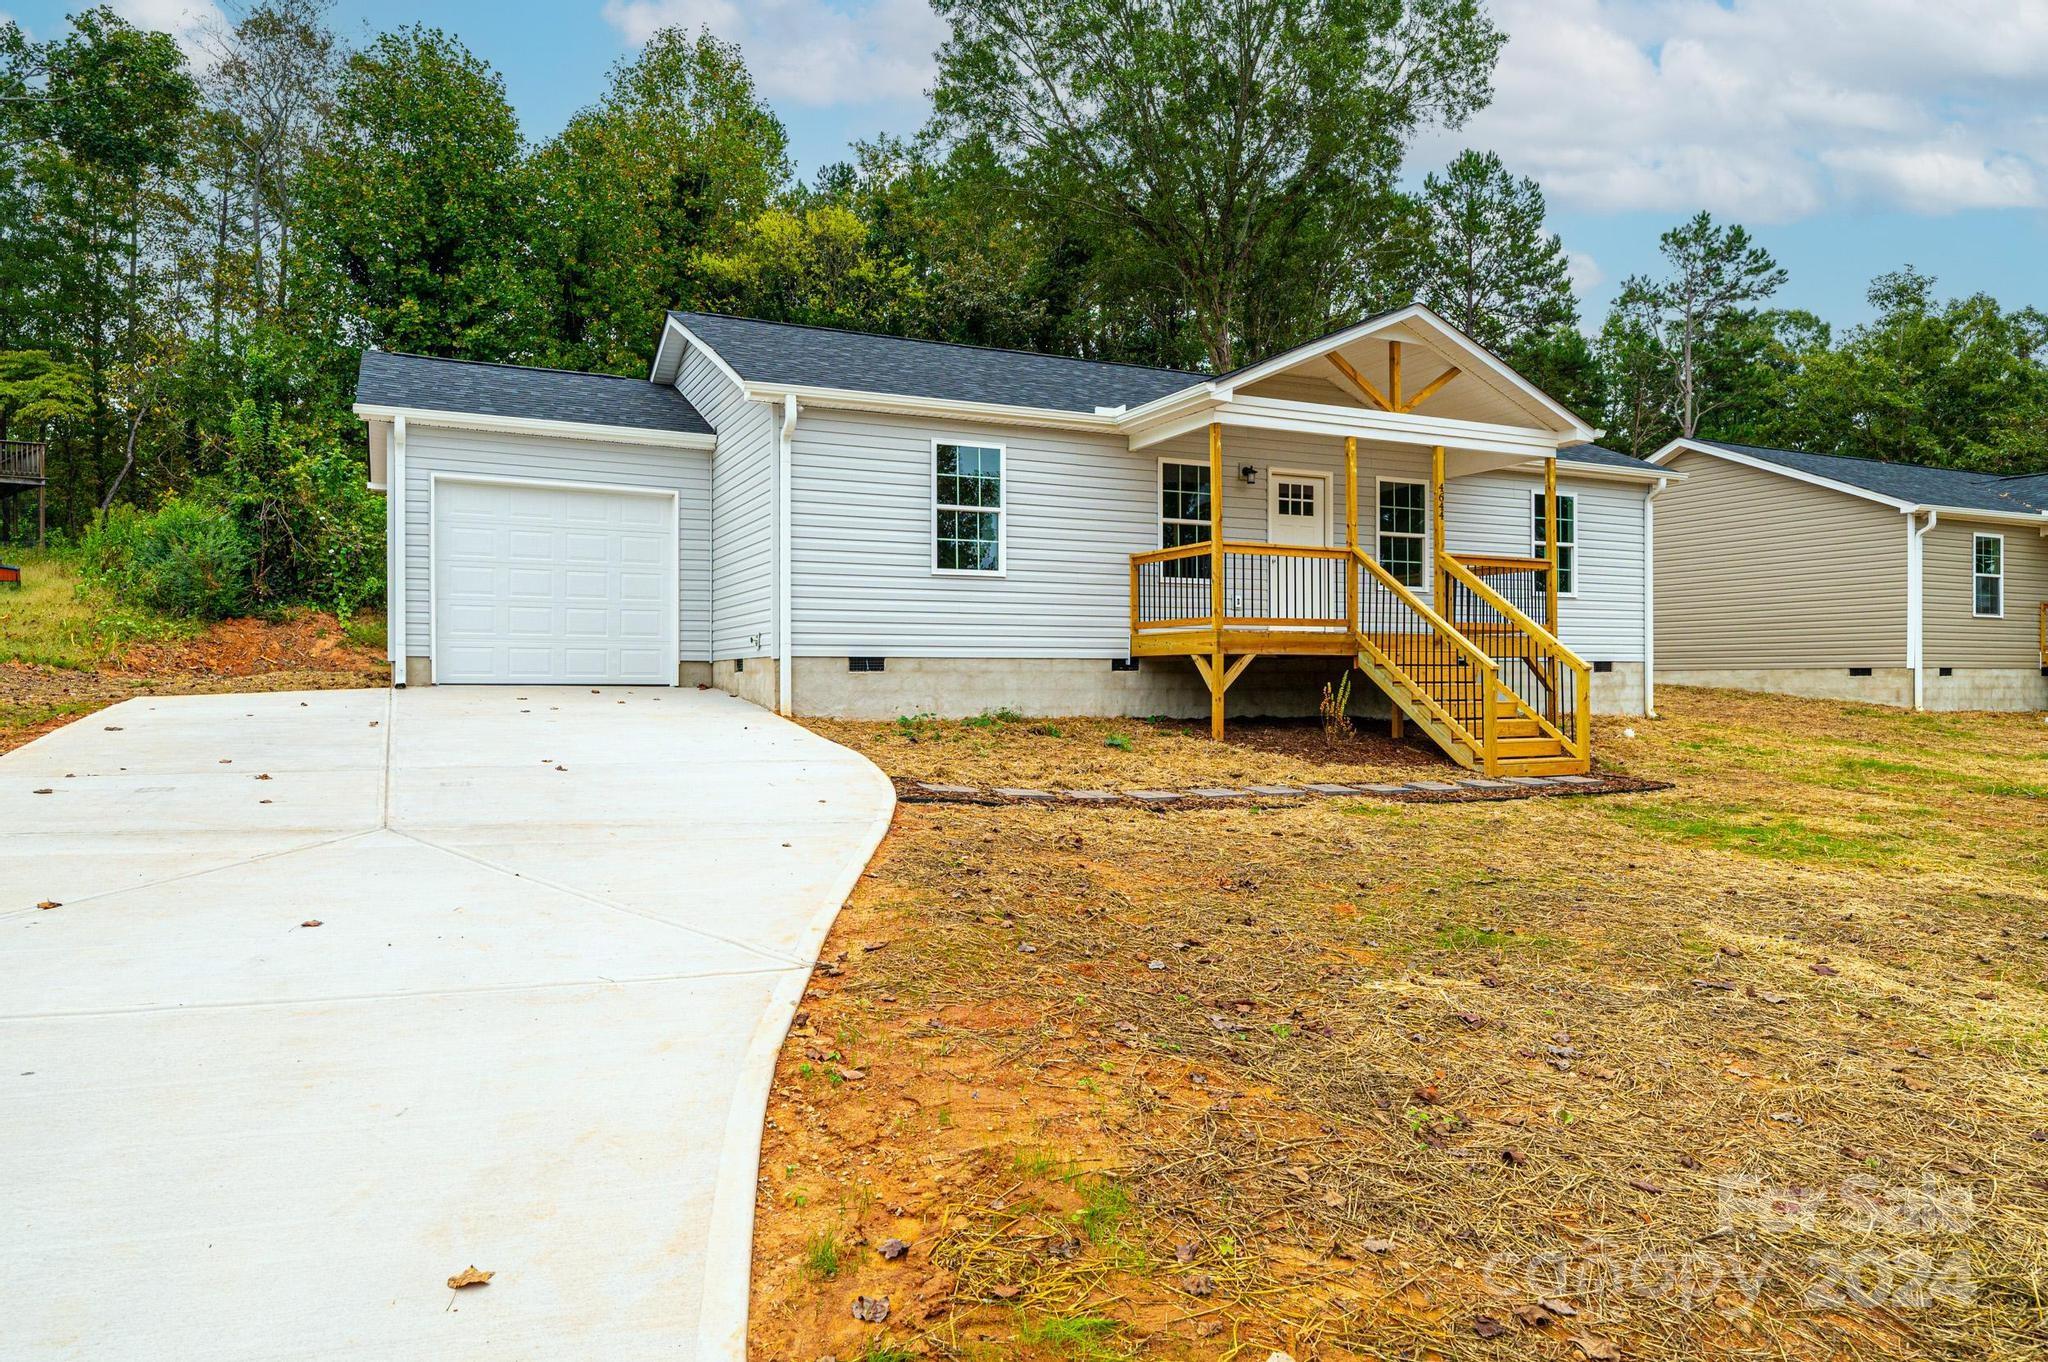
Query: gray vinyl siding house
{"points": [[1848, 578], [798, 471]]}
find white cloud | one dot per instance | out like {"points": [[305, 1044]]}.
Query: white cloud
{"points": [[809, 52], [1770, 110], [188, 21]]}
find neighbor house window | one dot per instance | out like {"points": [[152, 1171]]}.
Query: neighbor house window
{"points": [[1184, 514], [1404, 524], [1567, 538], [967, 508], [1987, 567]]}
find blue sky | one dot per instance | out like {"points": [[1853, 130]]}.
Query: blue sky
{"points": [[1851, 136]]}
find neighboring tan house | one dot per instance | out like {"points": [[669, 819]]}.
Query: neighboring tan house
{"points": [[830, 522], [1816, 574]]}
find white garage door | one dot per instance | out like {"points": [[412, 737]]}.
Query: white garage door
{"points": [[536, 583]]}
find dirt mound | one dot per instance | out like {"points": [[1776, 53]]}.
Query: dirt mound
{"points": [[311, 642]]}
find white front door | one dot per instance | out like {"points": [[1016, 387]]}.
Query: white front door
{"points": [[542, 582], [1298, 514]]}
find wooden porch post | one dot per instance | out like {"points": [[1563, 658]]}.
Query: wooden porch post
{"points": [[1351, 531], [1550, 544], [1216, 673], [1436, 532]]}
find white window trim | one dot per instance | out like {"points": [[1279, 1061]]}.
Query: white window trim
{"points": [[1422, 587], [1159, 516], [1002, 507], [1976, 576], [1273, 476], [1538, 538]]}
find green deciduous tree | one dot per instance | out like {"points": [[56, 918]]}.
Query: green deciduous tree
{"points": [[419, 209], [1245, 149], [678, 159]]}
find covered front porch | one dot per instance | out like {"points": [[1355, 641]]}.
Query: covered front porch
{"points": [[1464, 644]]}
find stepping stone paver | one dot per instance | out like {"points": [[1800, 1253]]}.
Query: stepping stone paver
{"points": [[1023, 794], [1153, 796], [1434, 785], [1576, 780], [1274, 790], [1093, 796], [1385, 789], [1486, 784], [1537, 781], [1333, 789], [1221, 794], [948, 789]]}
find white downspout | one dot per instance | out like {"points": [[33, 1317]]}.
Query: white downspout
{"points": [[1650, 598], [1916, 602], [785, 632], [398, 498]]}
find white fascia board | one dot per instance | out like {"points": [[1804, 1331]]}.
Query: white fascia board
{"points": [[1308, 418], [900, 404], [2036, 518], [1681, 446], [669, 328], [1572, 468], [527, 425], [695, 342]]}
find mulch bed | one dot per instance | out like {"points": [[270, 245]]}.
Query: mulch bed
{"points": [[1464, 789]]}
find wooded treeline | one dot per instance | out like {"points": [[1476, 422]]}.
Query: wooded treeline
{"points": [[193, 252]]}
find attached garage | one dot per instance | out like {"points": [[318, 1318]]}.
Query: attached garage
{"points": [[537, 550], [537, 582]]}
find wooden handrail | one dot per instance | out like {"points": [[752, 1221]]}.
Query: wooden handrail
{"points": [[22, 460], [1485, 743], [1549, 643], [1200, 550], [1500, 562]]}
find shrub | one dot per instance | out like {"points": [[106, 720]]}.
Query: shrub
{"points": [[187, 558], [1336, 701]]}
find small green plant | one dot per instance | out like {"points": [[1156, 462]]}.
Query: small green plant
{"points": [[821, 1256], [1336, 721], [993, 718], [1105, 1205], [1046, 731], [915, 727], [1118, 741]]}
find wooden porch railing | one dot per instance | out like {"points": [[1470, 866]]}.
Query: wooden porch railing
{"points": [[21, 461], [1265, 586], [1553, 683]]}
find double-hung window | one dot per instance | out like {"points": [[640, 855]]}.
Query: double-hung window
{"points": [[1987, 576], [1404, 526], [1567, 538], [967, 508], [1184, 515]]}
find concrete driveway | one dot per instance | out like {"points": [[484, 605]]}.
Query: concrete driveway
{"points": [[560, 934]]}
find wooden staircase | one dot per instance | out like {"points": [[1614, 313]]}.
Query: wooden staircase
{"points": [[1473, 704]]}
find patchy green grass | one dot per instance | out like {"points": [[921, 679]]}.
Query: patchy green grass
{"points": [[57, 619], [1105, 1205], [1072, 1336], [821, 1256], [1732, 828]]}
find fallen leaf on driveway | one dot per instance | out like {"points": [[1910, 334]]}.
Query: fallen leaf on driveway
{"points": [[45, 791], [469, 1277], [49, 903], [310, 922]]}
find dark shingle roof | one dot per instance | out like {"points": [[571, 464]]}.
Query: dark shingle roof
{"points": [[390, 379], [821, 357], [1911, 482], [1607, 458]]}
